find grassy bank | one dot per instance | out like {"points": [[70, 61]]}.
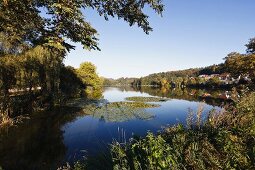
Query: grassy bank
{"points": [[225, 140]]}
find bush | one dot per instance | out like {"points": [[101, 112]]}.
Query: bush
{"points": [[226, 140]]}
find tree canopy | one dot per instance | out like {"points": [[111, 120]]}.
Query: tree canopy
{"points": [[35, 36], [251, 46], [52, 22], [88, 74]]}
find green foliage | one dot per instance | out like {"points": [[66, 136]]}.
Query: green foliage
{"points": [[89, 77], [247, 104], [236, 64], [164, 83], [146, 99], [94, 93], [121, 112], [151, 152], [213, 69], [37, 68], [70, 84], [241, 64], [133, 104], [226, 140], [87, 72], [115, 111], [213, 81], [251, 46], [33, 44], [65, 20], [121, 81], [175, 77]]}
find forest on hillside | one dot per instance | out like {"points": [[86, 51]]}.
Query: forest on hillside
{"points": [[237, 69]]}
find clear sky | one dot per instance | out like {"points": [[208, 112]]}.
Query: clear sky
{"points": [[191, 33]]}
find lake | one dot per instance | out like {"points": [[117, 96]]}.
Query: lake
{"points": [[48, 139]]}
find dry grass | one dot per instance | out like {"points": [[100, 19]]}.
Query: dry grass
{"points": [[5, 121]]}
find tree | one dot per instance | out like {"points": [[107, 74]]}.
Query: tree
{"points": [[23, 22], [71, 85], [215, 81], [93, 83], [164, 83], [41, 31], [87, 72], [234, 64], [251, 46], [192, 81], [240, 64]]}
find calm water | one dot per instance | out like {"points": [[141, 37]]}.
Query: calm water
{"points": [[47, 140]]}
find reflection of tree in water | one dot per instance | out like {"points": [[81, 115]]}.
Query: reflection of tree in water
{"points": [[121, 111], [189, 94], [114, 111], [37, 143]]}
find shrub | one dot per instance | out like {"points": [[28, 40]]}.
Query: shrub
{"points": [[226, 140]]}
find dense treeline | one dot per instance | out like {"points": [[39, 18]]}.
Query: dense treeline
{"points": [[237, 69], [221, 140], [35, 37], [119, 82], [159, 79], [225, 140], [32, 83]]}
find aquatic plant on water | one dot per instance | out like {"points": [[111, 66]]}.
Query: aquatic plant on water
{"points": [[147, 99], [124, 111], [226, 140]]}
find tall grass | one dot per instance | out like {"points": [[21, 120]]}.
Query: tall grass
{"points": [[225, 140], [5, 120], [13, 109]]}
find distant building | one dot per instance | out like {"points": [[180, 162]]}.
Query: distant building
{"points": [[224, 77], [207, 77]]}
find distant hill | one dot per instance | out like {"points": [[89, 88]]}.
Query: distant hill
{"points": [[168, 76]]}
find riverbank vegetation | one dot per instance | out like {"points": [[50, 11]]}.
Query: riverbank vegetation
{"points": [[34, 43], [224, 140], [238, 70], [35, 38]]}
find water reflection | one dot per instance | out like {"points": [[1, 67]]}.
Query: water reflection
{"points": [[49, 139], [38, 142], [189, 94]]}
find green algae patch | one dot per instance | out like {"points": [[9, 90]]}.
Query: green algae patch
{"points": [[114, 111], [135, 105], [124, 111], [147, 99], [121, 114]]}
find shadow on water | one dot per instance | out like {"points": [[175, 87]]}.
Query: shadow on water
{"points": [[38, 142]]}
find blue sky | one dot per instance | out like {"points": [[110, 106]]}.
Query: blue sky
{"points": [[191, 33]]}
